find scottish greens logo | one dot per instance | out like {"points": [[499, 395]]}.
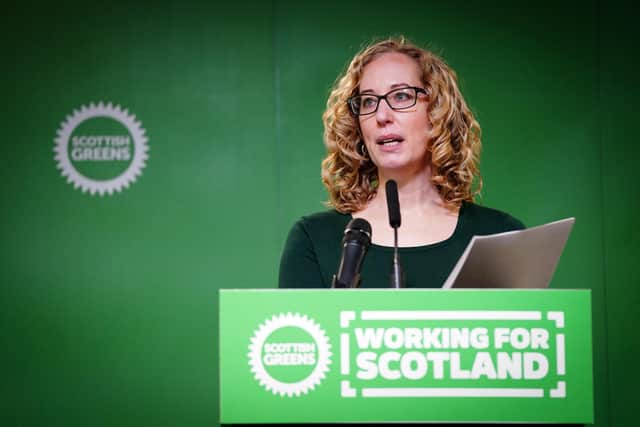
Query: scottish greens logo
{"points": [[101, 148], [289, 354]]}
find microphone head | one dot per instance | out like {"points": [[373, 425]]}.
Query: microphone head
{"points": [[358, 229], [356, 241], [393, 204]]}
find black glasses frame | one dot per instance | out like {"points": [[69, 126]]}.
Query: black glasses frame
{"points": [[353, 104]]}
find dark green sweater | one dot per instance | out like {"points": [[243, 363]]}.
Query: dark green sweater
{"points": [[314, 246]]}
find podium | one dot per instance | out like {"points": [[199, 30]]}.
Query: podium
{"points": [[405, 356]]}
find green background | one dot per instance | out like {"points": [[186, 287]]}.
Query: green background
{"points": [[108, 305]]}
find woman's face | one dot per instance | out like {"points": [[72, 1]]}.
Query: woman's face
{"points": [[396, 139]]}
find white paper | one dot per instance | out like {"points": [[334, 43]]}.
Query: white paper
{"points": [[515, 259]]}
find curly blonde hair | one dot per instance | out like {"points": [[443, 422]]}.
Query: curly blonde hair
{"points": [[454, 141]]}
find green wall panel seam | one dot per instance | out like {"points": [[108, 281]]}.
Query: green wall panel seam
{"points": [[603, 233]]}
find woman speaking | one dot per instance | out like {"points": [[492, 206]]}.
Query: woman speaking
{"points": [[396, 114]]}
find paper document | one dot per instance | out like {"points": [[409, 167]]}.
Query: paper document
{"points": [[515, 259]]}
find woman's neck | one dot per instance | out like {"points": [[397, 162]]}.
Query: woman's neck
{"points": [[425, 219], [416, 192]]}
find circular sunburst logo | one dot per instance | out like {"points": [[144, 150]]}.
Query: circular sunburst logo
{"points": [[289, 354], [101, 148]]}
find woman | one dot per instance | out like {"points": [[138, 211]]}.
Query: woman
{"points": [[396, 113]]}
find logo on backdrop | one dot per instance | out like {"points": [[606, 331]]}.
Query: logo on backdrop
{"points": [[289, 354], [101, 148]]}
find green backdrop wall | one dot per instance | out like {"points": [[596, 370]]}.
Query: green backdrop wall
{"points": [[108, 303]]}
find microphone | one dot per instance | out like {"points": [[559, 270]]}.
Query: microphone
{"points": [[356, 241], [393, 206]]}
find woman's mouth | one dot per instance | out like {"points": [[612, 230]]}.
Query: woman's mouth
{"points": [[389, 141]]}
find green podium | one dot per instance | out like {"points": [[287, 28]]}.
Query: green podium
{"points": [[408, 356]]}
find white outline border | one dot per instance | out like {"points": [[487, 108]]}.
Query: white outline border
{"points": [[347, 316]]}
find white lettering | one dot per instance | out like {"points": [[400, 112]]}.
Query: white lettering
{"points": [[368, 369], [500, 337], [100, 154], [459, 338], [431, 338], [509, 365], [438, 357], [520, 338], [91, 141], [384, 364], [479, 338], [457, 373], [539, 338], [393, 338], [483, 365], [411, 359], [412, 337], [536, 366], [369, 337]]}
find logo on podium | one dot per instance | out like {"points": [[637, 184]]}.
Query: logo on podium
{"points": [[289, 354]]}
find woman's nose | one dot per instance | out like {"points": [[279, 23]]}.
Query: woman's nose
{"points": [[384, 113]]}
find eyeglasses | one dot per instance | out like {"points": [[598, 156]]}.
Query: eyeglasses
{"points": [[397, 99]]}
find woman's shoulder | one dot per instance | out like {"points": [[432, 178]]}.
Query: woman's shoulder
{"points": [[312, 250], [319, 233], [323, 222], [487, 220]]}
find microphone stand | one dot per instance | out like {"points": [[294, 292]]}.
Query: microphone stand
{"points": [[393, 205], [397, 275]]}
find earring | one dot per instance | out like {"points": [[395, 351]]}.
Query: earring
{"points": [[362, 150]]}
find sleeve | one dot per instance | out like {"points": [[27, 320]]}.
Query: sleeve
{"points": [[510, 223], [299, 267]]}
